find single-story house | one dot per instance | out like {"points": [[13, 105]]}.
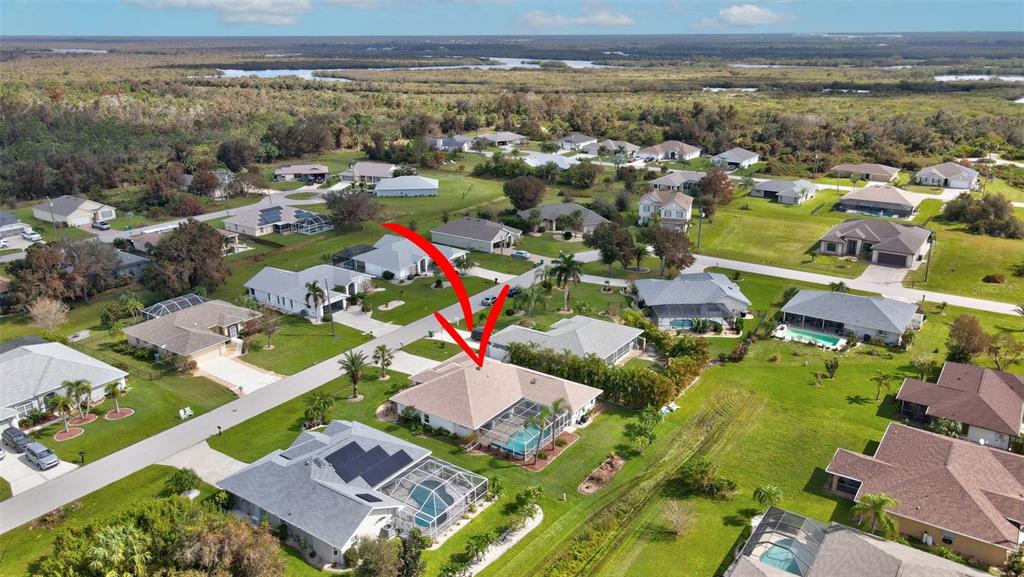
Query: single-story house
{"points": [[735, 158], [879, 241], [224, 178], [704, 295], [457, 143], [203, 330], [622, 147], [410, 185], [502, 138], [670, 150], [368, 172], [476, 234], [11, 225], [70, 210], [988, 403], [784, 544], [395, 255], [537, 159], [130, 265], [145, 240], [677, 180], [308, 173], [278, 219], [549, 213], [331, 487], [575, 141], [33, 369], [172, 305], [494, 402], [846, 314], [785, 191], [674, 209], [949, 492], [866, 171], [286, 290], [579, 335], [948, 175], [878, 200]]}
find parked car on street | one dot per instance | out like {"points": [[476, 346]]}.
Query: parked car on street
{"points": [[488, 301], [520, 254], [41, 456], [477, 334], [512, 292], [101, 225], [15, 439], [31, 235], [3, 243]]}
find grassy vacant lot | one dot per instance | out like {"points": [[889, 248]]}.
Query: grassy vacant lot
{"points": [[432, 349], [299, 344], [501, 263], [650, 265], [81, 317], [421, 299], [1000, 186], [960, 260], [550, 244]]}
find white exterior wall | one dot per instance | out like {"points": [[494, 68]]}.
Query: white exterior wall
{"points": [[647, 210], [406, 192], [987, 437], [437, 422], [248, 231], [461, 242], [39, 401], [858, 332]]}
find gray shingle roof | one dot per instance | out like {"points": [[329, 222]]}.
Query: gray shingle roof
{"points": [[7, 218], [302, 169], [373, 169], [292, 284], [948, 170], [408, 182], [62, 205], [885, 235], [678, 178], [501, 136], [735, 155], [791, 188], [879, 194], [536, 159], [670, 146], [579, 335], [692, 289], [476, 229], [878, 313], [31, 366], [867, 168], [577, 138], [394, 253], [554, 210]]}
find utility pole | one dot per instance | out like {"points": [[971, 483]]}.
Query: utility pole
{"points": [[700, 227], [327, 296], [53, 221], [928, 263]]}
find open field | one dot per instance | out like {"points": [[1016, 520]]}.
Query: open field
{"points": [[299, 344], [432, 349], [421, 298]]}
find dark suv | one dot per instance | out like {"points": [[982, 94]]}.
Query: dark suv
{"points": [[15, 439]]}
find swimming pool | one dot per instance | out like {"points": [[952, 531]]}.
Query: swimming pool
{"points": [[780, 557], [805, 336], [433, 501], [684, 324], [524, 439]]}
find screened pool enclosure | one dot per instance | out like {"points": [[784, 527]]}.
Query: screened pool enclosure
{"points": [[435, 494], [786, 541], [517, 430]]}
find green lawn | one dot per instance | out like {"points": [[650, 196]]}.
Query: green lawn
{"points": [[651, 265], [300, 344], [834, 181], [501, 263], [550, 244], [5, 489], [1000, 186], [421, 299], [961, 259], [302, 195], [601, 304], [82, 316], [432, 349]]}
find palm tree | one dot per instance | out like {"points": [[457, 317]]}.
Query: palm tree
{"points": [[77, 390], [116, 331], [558, 407], [1019, 309], [873, 515], [639, 252], [383, 356], [131, 304], [315, 293], [119, 549], [63, 405], [318, 405], [114, 391], [566, 269], [540, 421], [353, 363], [768, 496], [530, 297], [882, 380]]}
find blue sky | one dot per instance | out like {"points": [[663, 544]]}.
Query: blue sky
{"points": [[488, 17]]}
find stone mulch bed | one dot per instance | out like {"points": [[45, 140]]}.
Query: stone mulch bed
{"points": [[114, 415], [71, 433], [387, 413], [530, 464], [602, 475]]}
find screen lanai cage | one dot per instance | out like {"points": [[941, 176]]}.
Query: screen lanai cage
{"points": [[435, 495], [786, 541], [516, 431]]}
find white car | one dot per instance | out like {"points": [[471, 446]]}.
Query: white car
{"points": [[3, 243], [31, 235]]}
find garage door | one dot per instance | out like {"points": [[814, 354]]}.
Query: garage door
{"points": [[891, 259]]}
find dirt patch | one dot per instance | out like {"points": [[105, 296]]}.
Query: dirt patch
{"points": [[387, 413], [69, 434], [79, 421], [115, 415], [602, 475]]}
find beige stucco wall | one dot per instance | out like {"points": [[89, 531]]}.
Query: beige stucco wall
{"points": [[985, 552]]}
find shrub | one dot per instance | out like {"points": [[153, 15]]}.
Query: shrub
{"points": [[510, 311], [994, 278], [350, 557], [701, 477], [947, 553], [560, 442], [567, 235], [388, 275], [541, 229], [254, 345], [774, 358], [542, 455]]}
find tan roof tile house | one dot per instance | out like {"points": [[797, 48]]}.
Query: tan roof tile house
{"points": [[494, 402], [197, 331], [951, 492]]}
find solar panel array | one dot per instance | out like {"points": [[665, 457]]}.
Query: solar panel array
{"points": [[270, 215], [374, 466]]}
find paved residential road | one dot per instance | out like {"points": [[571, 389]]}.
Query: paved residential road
{"points": [[78, 483]]}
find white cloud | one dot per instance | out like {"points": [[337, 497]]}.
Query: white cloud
{"points": [[358, 4], [744, 15], [271, 12], [595, 17]]}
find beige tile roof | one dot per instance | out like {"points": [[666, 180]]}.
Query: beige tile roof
{"points": [[459, 391], [948, 483], [189, 330]]}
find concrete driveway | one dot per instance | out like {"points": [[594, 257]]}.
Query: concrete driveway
{"points": [[211, 465], [411, 364], [880, 274], [22, 475], [237, 374], [361, 321]]}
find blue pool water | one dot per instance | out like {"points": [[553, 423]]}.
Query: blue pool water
{"points": [[684, 324], [780, 557], [813, 337], [523, 439], [430, 507]]}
